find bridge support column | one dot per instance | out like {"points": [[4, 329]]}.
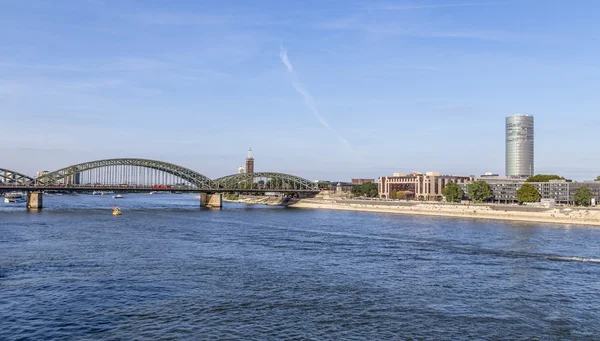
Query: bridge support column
{"points": [[34, 200], [211, 200]]}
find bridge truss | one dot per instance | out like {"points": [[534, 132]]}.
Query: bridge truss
{"points": [[140, 174], [128, 171], [8, 176], [264, 181]]}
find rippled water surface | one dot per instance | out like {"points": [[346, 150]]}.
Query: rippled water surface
{"points": [[168, 270]]}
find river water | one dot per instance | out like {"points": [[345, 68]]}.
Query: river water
{"points": [[168, 270]]}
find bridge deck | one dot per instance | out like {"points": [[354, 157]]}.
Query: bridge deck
{"points": [[141, 189]]}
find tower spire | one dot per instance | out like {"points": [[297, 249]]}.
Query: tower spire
{"points": [[249, 153]]}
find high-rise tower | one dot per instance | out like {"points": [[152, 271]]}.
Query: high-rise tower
{"points": [[519, 146], [249, 162]]}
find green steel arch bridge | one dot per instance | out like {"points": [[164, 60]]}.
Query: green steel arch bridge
{"points": [[143, 175]]}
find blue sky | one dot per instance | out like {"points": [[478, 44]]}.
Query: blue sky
{"points": [[321, 89]]}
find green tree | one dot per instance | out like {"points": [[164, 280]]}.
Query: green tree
{"points": [[544, 178], [370, 190], [528, 193], [453, 193], [394, 194], [232, 196], [479, 191], [583, 196], [401, 195], [357, 190], [323, 185], [597, 178]]}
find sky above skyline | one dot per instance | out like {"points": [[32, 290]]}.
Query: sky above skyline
{"points": [[320, 89]]}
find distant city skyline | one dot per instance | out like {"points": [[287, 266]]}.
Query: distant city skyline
{"points": [[324, 90]]}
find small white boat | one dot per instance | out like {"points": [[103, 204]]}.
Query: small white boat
{"points": [[118, 196], [96, 193], [13, 197]]}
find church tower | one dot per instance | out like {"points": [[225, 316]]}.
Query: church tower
{"points": [[249, 162]]}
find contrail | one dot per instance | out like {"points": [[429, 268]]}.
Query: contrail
{"points": [[308, 99]]}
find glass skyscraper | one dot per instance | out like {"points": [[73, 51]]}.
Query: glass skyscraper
{"points": [[519, 146]]}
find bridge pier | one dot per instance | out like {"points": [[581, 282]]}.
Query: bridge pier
{"points": [[211, 200], [34, 200]]}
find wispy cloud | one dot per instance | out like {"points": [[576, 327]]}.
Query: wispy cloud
{"points": [[308, 98]]}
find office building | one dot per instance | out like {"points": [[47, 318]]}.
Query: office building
{"points": [[504, 190], [519, 146], [418, 186]]}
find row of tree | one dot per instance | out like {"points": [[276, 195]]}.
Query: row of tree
{"points": [[544, 178], [368, 189], [480, 191], [548, 177], [477, 191]]}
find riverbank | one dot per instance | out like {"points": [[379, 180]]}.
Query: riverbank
{"points": [[259, 200], [577, 216]]}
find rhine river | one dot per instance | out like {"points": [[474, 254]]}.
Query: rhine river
{"points": [[168, 270]]}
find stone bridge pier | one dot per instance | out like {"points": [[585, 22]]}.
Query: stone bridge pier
{"points": [[211, 200], [34, 200]]}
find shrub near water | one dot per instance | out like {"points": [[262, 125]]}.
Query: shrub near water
{"points": [[232, 196]]}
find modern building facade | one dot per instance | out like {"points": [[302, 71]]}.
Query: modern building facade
{"points": [[519, 146], [249, 162], [419, 186]]}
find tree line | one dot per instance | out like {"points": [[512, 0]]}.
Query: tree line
{"points": [[368, 189]]}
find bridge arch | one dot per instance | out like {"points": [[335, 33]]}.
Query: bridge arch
{"points": [[264, 181], [194, 178], [8, 176]]}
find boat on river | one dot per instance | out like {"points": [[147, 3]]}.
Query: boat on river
{"points": [[118, 196], [116, 211], [13, 197]]}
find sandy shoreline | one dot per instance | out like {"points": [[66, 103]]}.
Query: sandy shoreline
{"points": [[543, 215]]}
